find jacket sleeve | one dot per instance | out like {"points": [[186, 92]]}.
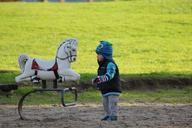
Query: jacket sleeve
{"points": [[111, 70]]}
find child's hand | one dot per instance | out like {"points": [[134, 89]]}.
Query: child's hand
{"points": [[96, 80]]}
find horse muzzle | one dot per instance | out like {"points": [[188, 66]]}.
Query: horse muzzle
{"points": [[72, 58]]}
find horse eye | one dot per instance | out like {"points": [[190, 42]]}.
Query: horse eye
{"points": [[73, 50]]}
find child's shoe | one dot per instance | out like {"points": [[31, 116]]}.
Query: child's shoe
{"points": [[112, 118], [105, 118]]}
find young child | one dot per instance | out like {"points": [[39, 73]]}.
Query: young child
{"points": [[108, 80]]}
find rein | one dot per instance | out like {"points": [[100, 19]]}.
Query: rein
{"points": [[57, 57]]}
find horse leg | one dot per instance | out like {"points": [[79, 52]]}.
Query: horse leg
{"points": [[69, 75], [25, 76], [22, 77]]}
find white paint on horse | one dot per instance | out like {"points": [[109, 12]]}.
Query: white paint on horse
{"points": [[66, 53]]}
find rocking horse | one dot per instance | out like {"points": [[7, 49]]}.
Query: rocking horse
{"points": [[58, 69]]}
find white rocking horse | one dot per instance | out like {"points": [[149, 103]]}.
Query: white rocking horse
{"points": [[34, 69]]}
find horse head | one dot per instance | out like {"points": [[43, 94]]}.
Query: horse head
{"points": [[67, 50]]}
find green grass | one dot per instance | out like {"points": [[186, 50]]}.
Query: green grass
{"points": [[161, 96], [149, 36], [173, 96]]}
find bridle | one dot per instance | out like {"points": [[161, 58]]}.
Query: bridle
{"points": [[69, 54]]}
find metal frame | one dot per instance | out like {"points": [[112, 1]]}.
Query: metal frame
{"points": [[44, 89]]}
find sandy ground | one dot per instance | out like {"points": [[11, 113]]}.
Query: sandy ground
{"points": [[88, 116]]}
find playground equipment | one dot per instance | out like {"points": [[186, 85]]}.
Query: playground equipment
{"points": [[44, 88], [33, 69], [39, 71]]}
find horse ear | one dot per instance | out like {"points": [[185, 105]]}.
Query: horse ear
{"points": [[75, 41]]}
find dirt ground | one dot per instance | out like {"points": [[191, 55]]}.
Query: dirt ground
{"points": [[88, 116]]}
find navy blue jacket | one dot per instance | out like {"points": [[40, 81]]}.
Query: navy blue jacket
{"points": [[112, 85]]}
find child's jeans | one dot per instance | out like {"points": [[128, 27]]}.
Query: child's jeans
{"points": [[110, 105]]}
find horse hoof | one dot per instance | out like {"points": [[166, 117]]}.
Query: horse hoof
{"points": [[36, 82]]}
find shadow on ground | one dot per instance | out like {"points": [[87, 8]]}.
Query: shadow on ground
{"points": [[128, 81]]}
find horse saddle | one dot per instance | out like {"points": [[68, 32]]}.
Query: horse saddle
{"points": [[36, 66]]}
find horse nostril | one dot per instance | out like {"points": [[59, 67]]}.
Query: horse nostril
{"points": [[74, 59]]}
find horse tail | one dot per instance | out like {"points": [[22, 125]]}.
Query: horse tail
{"points": [[22, 61]]}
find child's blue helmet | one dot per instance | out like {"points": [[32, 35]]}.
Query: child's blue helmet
{"points": [[105, 49]]}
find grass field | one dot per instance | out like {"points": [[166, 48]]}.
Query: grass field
{"points": [[173, 96], [148, 36]]}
